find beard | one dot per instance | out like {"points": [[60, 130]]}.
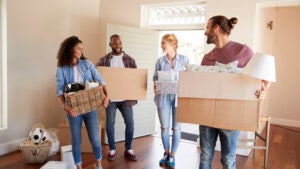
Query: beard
{"points": [[116, 51], [211, 37]]}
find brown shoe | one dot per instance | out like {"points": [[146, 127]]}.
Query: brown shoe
{"points": [[130, 155], [111, 155]]}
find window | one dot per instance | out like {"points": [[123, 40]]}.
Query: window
{"points": [[186, 20], [190, 44], [3, 65], [174, 15]]}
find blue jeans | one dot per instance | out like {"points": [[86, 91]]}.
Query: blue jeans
{"points": [[91, 122], [127, 113], [208, 138], [164, 113]]}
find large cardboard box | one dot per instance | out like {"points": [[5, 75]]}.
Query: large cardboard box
{"points": [[220, 100], [125, 83], [102, 120], [64, 136]]}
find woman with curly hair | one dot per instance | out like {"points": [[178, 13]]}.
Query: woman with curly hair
{"points": [[73, 67]]}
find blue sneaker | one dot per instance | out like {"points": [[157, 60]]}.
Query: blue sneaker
{"points": [[171, 162], [164, 160]]}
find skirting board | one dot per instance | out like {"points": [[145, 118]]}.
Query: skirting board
{"points": [[10, 146], [285, 122]]}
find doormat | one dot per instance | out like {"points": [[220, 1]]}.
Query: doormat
{"points": [[189, 136]]}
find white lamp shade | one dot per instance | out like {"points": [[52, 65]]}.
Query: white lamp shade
{"points": [[261, 66]]}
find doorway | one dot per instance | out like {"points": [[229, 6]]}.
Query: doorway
{"points": [[190, 44]]}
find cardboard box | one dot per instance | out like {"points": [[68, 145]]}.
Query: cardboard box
{"points": [[125, 83], [224, 114], [167, 87], [232, 86], [102, 115], [102, 120], [55, 165], [67, 156], [64, 136], [220, 100]]}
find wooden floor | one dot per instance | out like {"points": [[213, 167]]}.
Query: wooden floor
{"points": [[284, 153]]}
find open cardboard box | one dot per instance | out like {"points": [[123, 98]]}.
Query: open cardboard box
{"points": [[220, 100], [125, 83]]}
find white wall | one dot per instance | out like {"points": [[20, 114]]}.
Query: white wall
{"points": [[264, 38], [284, 104], [282, 42], [35, 30]]}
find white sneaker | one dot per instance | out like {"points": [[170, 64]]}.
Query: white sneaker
{"points": [[112, 152], [98, 167]]}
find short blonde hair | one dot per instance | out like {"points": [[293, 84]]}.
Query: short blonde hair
{"points": [[172, 39]]}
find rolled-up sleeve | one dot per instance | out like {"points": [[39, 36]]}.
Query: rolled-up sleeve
{"points": [[95, 74], [59, 82]]}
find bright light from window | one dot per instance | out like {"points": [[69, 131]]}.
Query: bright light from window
{"points": [[190, 44], [173, 14], [176, 15]]}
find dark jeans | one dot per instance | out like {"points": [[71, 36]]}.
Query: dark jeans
{"points": [[208, 138], [127, 113]]}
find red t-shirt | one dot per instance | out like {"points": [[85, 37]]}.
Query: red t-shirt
{"points": [[232, 51]]}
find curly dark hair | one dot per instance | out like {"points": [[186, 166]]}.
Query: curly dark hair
{"points": [[65, 53]]}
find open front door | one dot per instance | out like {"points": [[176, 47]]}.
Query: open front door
{"points": [[142, 45]]}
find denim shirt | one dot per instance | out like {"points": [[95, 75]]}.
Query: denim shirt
{"points": [[163, 64], [65, 75]]}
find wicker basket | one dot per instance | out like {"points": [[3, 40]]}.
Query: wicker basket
{"points": [[86, 100], [35, 153]]}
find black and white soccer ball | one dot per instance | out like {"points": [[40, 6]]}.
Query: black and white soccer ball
{"points": [[38, 134]]}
